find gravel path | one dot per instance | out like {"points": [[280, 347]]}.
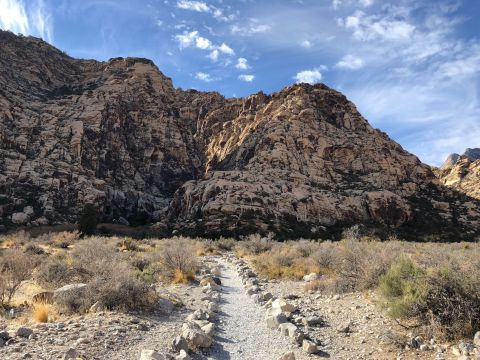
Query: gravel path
{"points": [[242, 333]]}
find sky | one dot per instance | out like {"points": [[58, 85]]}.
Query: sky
{"points": [[412, 67]]}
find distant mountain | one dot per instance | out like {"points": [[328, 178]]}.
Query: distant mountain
{"points": [[463, 174], [301, 162], [470, 154]]}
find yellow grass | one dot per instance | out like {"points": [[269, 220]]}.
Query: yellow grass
{"points": [[181, 277], [40, 312]]}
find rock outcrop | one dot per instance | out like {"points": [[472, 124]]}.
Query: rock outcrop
{"points": [[463, 174], [117, 134]]}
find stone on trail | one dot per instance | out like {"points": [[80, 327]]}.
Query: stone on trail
{"points": [[196, 338], [179, 343], [311, 277], [288, 356], [288, 329], [24, 332], [209, 329], [309, 347], [151, 355], [274, 318], [183, 355], [71, 354], [283, 305]]}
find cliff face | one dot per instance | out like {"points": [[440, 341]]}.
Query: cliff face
{"points": [[463, 174], [117, 134]]}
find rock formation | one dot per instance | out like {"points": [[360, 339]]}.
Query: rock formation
{"points": [[463, 174], [117, 134]]}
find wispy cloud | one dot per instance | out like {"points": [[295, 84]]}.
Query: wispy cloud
{"points": [[31, 19], [350, 62], [246, 78], [198, 6], [203, 77], [251, 28], [194, 39]]}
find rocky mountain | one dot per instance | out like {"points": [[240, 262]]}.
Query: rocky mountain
{"points": [[463, 174], [469, 154], [117, 134]]}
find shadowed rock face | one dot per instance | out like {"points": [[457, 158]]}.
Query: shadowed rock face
{"points": [[117, 134]]}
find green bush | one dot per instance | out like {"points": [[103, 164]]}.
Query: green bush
{"points": [[404, 288], [88, 220]]}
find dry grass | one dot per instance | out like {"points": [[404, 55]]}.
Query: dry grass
{"points": [[436, 285], [40, 312]]}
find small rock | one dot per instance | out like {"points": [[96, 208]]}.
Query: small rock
{"points": [[70, 354], [476, 339], [183, 356], [283, 305], [24, 332], [312, 320], [311, 277], [208, 329], [179, 343], [288, 356], [309, 347], [151, 355]]}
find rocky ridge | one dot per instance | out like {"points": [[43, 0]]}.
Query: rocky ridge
{"points": [[117, 134], [462, 172]]}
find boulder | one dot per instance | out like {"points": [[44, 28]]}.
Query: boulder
{"points": [[283, 305], [274, 318], [24, 332], [288, 329], [208, 329], [183, 355], [179, 343], [20, 218], [196, 338]]}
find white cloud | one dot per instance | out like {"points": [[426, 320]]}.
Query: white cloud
{"points": [[203, 43], [192, 38], [253, 27], [366, 3], [203, 77], [308, 76], [224, 48], [214, 55], [350, 62], [242, 64], [336, 3], [198, 6], [377, 27], [246, 78], [31, 20], [306, 44], [186, 39]]}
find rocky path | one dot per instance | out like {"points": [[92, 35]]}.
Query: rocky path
{"points": [[243, 333]]}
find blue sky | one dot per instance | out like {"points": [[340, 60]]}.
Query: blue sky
{"points": [[412, 67]]}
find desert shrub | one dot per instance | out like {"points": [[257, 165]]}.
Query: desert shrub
{"points": [[177, 259], [88, 220], [33, 249], [128, 244], [226, 244], [352, 233], [205, 247], [120, 289], [111, 280], [255, 244], [15, 267], [404, 288], [16, 239], [305, 247], [64, 239], [54, 272], [325, 256]]}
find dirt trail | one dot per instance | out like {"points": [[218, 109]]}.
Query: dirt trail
{"points": [[242, 331]]}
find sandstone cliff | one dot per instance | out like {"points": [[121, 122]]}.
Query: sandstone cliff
{"points": [[300, 162], [463, 174]]}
